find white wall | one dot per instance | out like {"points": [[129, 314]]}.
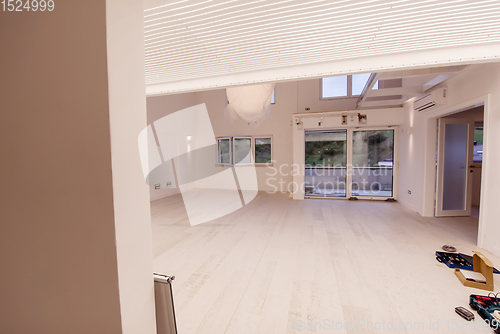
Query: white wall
{"points": [[278, 125], [127, 114], [476, 84], [157, 107], [411, 159]]}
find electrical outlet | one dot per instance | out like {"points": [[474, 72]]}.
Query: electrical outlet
{"points": [[409, 192], [157, 186], [169, 184]]}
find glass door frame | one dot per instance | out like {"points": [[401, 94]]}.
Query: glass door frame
{"points": [[329, 168], [439, 209], [349, 171]]}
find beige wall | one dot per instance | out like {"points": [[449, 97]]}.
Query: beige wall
{"points": [[58, 208], [57, 238]]}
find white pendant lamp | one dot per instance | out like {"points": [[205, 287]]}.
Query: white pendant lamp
{"points": [[251, 103]]}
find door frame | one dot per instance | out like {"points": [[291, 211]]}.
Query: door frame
{"points": [[430, 157], [439, 212], [395, 164]]}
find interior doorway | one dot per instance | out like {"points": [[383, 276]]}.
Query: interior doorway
{"points": [[459, 162]]}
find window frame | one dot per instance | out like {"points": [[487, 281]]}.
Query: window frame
{"points": [[272, 150], [349, 175], [349, 89], [230, 151], [252, 150], [234, 151]]}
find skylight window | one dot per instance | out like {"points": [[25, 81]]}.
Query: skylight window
{"points": [[335, 87], [344, 86], [359, 83]]}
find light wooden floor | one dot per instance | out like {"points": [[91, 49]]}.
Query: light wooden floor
{"points": [[278, 265]]}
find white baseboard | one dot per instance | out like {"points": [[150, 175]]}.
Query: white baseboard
{"points": [[407, 205], [163, 194]]}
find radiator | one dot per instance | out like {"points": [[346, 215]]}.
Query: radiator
{"points": [[165, 312]]}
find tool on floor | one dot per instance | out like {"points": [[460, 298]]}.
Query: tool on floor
{"points": [[464, 313], [448, 248], [458, 260], [482, 266], [488, 308]]}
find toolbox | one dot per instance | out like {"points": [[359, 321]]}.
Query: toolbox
{"points": [[458, 260], [486, 307]]}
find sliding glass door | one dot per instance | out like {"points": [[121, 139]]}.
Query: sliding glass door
{"points": [[350, 163], [372, 163], [326, 163]]}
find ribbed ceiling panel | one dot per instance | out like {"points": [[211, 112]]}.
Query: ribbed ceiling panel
{"points": [[196, 39]]}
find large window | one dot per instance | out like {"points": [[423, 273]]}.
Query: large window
{"points": [[242, 150], [224, 150], [263, 150], [245, 150], [344, 86]]}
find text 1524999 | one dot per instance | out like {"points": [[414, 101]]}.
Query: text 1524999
{"points": [[27, 5]]}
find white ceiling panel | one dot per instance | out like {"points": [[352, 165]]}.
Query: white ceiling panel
{"points": [[189, 41]]}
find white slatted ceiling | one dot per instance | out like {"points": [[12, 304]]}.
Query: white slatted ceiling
{"points": [[195, 39]]}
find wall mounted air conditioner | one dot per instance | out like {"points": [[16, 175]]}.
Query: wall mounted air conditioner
{"points": [[430, 100]]}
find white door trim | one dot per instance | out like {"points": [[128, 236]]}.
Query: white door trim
{"points": [[442, 122]]}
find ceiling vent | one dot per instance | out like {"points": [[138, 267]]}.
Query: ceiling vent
{"points": [[430, 100]]}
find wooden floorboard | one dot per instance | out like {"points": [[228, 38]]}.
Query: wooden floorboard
{"points": [[313, 266]]}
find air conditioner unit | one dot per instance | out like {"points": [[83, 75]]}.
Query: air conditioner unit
{"points": [[430, 100]]}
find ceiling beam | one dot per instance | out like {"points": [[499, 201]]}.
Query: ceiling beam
{"points": [[422, 71], [396, 91], [372, 80], [383, 103]]}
